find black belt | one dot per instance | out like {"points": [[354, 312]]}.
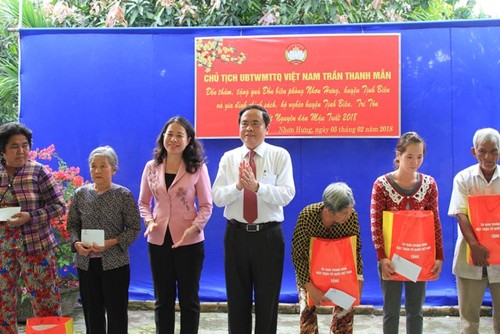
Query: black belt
{"points": [[252, 227]]}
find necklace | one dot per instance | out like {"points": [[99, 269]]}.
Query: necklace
{"points": [[10, 178]]}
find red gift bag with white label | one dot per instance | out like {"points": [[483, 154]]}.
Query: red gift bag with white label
{"points": [[49, 325], [410, 235], [484, 216], [332, 264]]}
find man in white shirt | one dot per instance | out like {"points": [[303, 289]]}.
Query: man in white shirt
{"points": [[472, 279], [254, 247]]}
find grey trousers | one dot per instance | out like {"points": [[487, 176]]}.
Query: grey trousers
{"points": [[414, 300]]}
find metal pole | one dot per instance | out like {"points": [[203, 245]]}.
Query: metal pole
{"points": [[20, 21], [19, 26]]}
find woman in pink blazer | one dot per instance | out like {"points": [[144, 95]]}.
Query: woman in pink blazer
{"points": [[170, 184]]}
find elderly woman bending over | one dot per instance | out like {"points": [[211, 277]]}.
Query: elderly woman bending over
{"points": [[333, 218]]}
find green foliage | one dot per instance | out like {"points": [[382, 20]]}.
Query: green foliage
{"points": [[164, 13], [438, 10], [32, 14], [192, 13], [8, 81], [9, 67]]}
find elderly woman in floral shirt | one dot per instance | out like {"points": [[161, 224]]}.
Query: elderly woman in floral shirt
{"points": [[26, 238]]}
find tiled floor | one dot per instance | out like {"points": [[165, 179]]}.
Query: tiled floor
{"points": [[216, 323]]}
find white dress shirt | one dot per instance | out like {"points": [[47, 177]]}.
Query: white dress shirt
{"points": [[471, 182], [275, 177]]}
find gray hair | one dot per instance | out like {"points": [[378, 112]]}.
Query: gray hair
{"points": [[486, 135], [338, 196], [106, 152]]}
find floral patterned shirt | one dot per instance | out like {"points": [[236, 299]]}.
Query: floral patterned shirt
{"points": [[114, 211], [12, 237], [387, 196]]}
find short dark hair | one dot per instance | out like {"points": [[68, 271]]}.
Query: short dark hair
{"points": [[265, 114], [10, 129]]}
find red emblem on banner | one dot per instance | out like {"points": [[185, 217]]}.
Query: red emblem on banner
{"points": [[296, 54]]}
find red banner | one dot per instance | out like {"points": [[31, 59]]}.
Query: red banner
{"points": [[484, 214], [333, 265], [410, 234], [312, 86]]}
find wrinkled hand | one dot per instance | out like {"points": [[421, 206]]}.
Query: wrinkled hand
{"points": [[188, 233], [99, 249], [436, 269], [387, 269], [315, 294], [83, 248], [152, 225], [108, 243], [480, 255], [19, 219]]}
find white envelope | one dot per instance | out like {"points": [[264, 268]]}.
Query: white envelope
{"points": [[93, 236], [340, 298], [406, 268], [43, 327], [7, 212]]}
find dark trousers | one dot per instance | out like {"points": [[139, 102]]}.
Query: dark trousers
{"points": [[254, 267], [414, 300], [104, 294], [176, 270]]}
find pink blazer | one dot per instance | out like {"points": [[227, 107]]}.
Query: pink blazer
{"points": [[175, 208]]}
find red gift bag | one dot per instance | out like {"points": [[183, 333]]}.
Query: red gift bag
{"points": [[410, 234], [332, 264], [49, 325], [484, 216]]}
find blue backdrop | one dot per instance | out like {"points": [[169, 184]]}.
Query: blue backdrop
{"points": [[81, 88]]}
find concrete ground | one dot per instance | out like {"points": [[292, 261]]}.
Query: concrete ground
{"points": [[442, 320]]}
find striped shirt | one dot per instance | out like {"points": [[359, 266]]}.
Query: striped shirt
{"points": [[37, 193]]}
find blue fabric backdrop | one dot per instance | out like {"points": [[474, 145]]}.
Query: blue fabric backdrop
{"points": [[81, 88]]}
